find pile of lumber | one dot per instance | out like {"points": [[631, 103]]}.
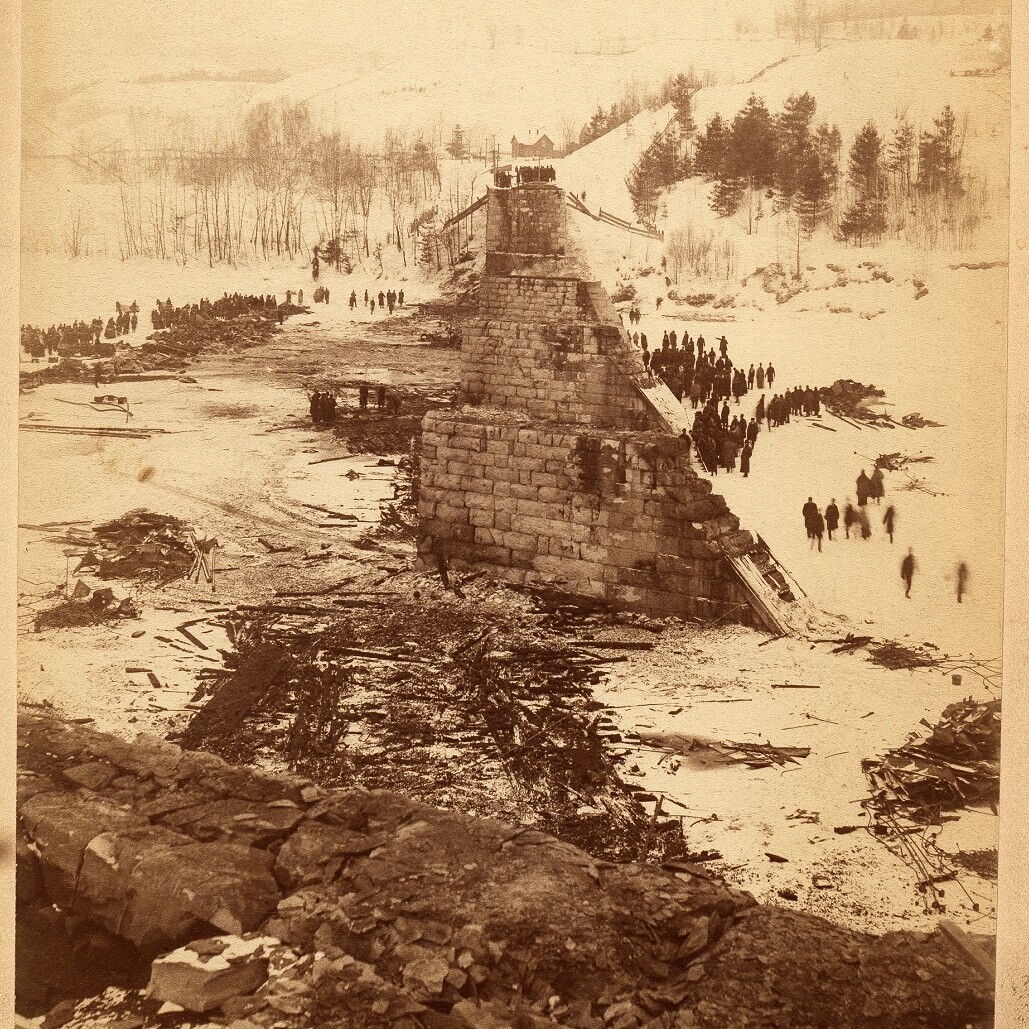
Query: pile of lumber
{"points": [[957, 764], [141, 544]]}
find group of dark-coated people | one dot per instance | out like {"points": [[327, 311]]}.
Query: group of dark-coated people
{"points": [[526, 173], [692, 369], [869, 487], [79, 336], [323, 407], [323, 403], [166, 315], [389, 300]]}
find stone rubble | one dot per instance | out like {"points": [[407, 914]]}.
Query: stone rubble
{"points": [[393, 913]]}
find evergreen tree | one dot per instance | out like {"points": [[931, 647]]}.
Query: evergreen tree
{"points": [[712, 148], [866, 217], [428, 254], [792, 146], [728, 194], [752, 150], [659, 166], [643, 190], [811, 202], [902, 153], [939, 157], [829, 144], [457, 148]]}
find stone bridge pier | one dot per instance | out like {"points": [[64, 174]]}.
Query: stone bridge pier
{"points": [[556, 470]]}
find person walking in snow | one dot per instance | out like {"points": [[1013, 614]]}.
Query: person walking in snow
{"points": [[889, 520], [864, 485], [849, 517], [750, 377], [400, 298], [760, 377], [876, 489], [770, 375], [866, 529], [809, 510], [759, 415], [907, 571], [819, 528], [962, 579], [725, 416], [745, 455], [752, 431], [832, 517]]}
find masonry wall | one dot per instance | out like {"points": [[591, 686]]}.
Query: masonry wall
{"points": [[618, 516], [551, 471], [531, 219], [538, 345]]}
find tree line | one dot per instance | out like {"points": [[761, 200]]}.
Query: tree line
{"points": [[267, 187], [795, 164]]}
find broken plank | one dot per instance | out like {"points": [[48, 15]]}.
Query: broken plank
{"points": [[819, 425], [853, 644], [376, 655], [616, 644], [154, 680], [325, 460], [972, 950], [192, 639], [793, 686]]}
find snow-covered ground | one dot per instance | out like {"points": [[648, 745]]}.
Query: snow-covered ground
{"points": [[718, 686], [942, 355]]}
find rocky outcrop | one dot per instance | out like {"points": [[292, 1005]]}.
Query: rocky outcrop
{"points": [[393, 913]]}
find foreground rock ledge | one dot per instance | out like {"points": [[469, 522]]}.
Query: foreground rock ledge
{"points": [[399, 914]]}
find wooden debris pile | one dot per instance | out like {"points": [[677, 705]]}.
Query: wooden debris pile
{"points": [[849, 399], [916, 421], [957, 764], [86, 607], [763, 755], [473, 709], [140, 545], [898, 461], [891, 654], [401, 513], [237, 333]]}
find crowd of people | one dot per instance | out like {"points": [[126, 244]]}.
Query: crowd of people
{"points": [[323, 407], [321, 295], [323, 403], [389, 300], [166, 315], [692, 370], [526, 173]]}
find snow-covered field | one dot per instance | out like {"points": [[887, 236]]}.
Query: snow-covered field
{"points": [[942, 355]]}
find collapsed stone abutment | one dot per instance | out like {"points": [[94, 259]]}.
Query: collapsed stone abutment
{"points": [[384, 911], [558, 469]]}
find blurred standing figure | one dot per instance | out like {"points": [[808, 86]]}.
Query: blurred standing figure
{"points": [[907, 571], [962, 577], [889, 519], [876, 488], [832, 517]]}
